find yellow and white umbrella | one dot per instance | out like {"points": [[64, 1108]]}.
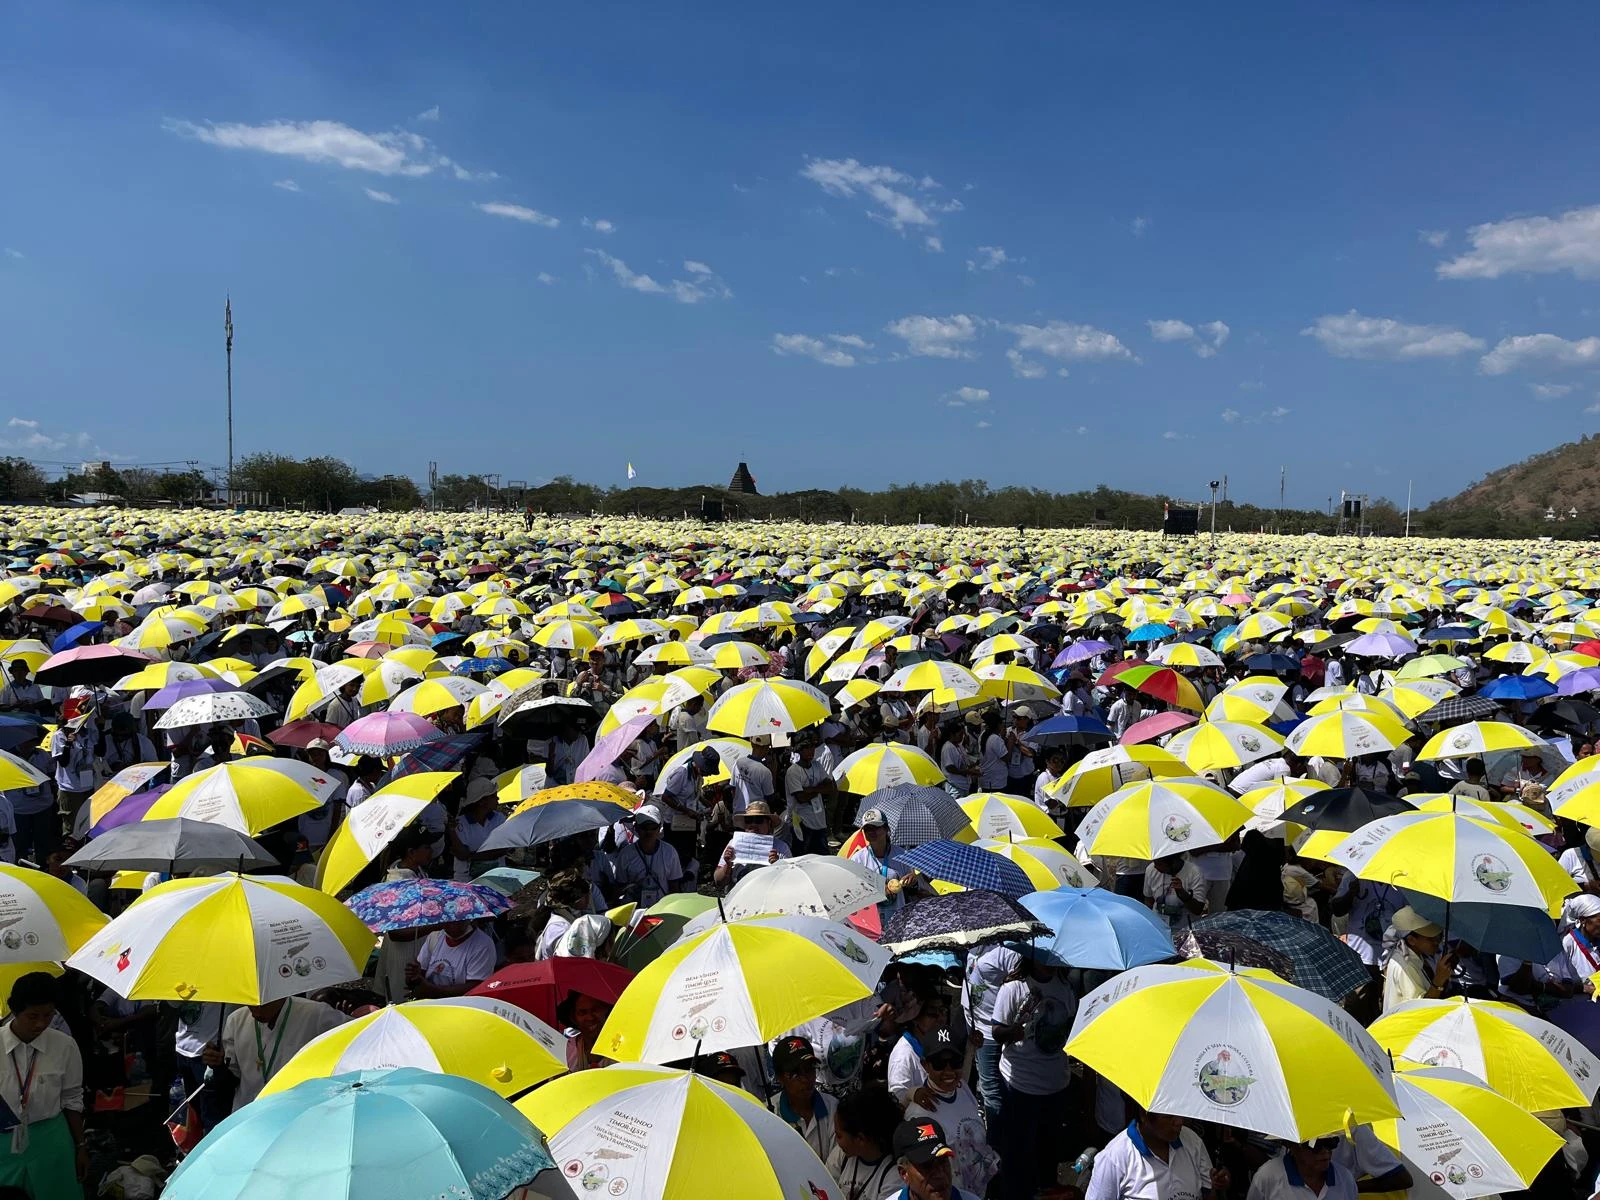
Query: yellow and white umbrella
{"points": [[1100, 772], [995, 815], [1347, 734], [248, 794], [1158, 817], [763, 707], [45, 918], [437, 695], [1477, 738], [374, 823], [1217, 744], [886, 764]]}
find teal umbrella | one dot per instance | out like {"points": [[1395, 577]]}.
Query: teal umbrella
{"points": [[371, 1135]]}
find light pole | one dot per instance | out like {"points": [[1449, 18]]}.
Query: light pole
{"points": [[1215, 484], [227, 327]]}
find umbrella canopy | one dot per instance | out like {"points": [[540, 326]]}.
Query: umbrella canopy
{"points": [[1100, 772], [248, 794], [88, 666], [173, 845], [540, 988], [960, 919], [213, 708], [1242, 1048], [767, 706], [1043, 861], [916, 814], [1096, 929], [1347, 733], [374, 823], [1315, 959], [1151, 728], [1333, 813], [1224, 744], [996, 815], [632, 1129], [739, 984], [815, 885], [551, 821], [1158, 817], [968, 866], [494, 1044], [1458, 708], [387, 734], [338, 1138], [886, 764], [46, 918], [1477, 738], [417, 903], [230, 939]]}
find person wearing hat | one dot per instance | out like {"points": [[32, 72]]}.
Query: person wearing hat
{"points": [[1157, 1157], [645, 869], [1415, 969], [1022, 761], [946, 1098], [862, 1162], [479, 817], [906, 1075], [806, 1109], [723, 1067], [926, 1163], [1581, 943], [758, 818], [883, 857]]}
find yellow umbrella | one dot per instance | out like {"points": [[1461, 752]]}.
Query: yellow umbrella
{"points": [[374, 823], [1100, 772], [998, 816], [47, 918], [250, 794]]}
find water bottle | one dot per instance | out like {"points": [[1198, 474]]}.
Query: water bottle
{"points": [[176, 1096], [1078, 1173]]}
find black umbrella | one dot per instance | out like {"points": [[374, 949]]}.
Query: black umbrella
{"points": [[87, 666], [172, 844], [527, 707], [1569, 712], [959, 919], [1344, 810]]}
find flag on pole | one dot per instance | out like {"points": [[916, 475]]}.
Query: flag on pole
{"points": [[631, 471]]}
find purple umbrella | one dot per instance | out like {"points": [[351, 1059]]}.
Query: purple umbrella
{"points": [[1584, 679], [173, 692], [612, 746], [1381, 645], [1080, 652], [130, 810]]}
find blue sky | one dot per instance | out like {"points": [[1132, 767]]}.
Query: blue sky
{"points": [[1029, 243]]}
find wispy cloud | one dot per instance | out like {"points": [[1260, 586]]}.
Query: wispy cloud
{"points": [[1138, 226], [1025, 368], [599, 225], [804, 346], [393, 152], [703, 286], [1172, 435], [991, 258], [429, 114], [287, 185], [981, 425], [28, 436], [1531, 245], [1233, 416], [1206, 339], [933, 244], [11, 253], [1352, 335], [1433, 237], [1550, 391], [937, 337], [380, 197], [1535, 350], [546, 278], [516, 212], [966, 397], [1069, 342], [898, 199]]}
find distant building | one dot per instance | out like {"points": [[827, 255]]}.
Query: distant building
{"points": [[743, 482]]}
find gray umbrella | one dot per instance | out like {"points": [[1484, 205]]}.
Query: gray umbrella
{"points": [[173, 844]]}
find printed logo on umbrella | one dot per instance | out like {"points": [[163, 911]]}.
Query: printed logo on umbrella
{"points": [[847, 947], [1225, 1079], [1491, 873], [1176, 829]]}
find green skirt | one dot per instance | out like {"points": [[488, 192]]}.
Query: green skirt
{"points": [[48, 1168]]}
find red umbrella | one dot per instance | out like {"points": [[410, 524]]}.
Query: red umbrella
{"points": [[301, 734], [1109, 675], [1591, 648], [539, 988], [1151, 728]]}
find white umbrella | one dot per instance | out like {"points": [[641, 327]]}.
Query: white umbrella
{"points": [[210, 708], [808, 885]]}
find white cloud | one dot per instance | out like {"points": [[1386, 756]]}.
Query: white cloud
{"points": [[287, 185], [380, 197], [850, 339], [685, 291], [599, 225], [900, 201], [1570, 242], [1170, 331], [1593, 408], [546, 278], [696, 268], [1026, 368], [1274, 414], [28, 436], [396, 152], [1433, 237], [1081, 430], [1069, 342], [981, 425], [1540, 350], [517, 212], [1026, 280], [1234, 417], [429, 114], [966, 397], [933, 245], [10, 253], [1352, 335], [1172, 435], [809, 347], [1217, 331], [1550, 391], [990, 258], [1139, 225], [937, 337], [1230, 415]]}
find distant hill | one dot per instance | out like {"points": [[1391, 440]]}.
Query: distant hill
{"points": [[1513, 500]]}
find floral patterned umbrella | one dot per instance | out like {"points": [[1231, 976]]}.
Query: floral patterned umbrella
{"points": [[212, 707], [414, 903], [387, 734]]}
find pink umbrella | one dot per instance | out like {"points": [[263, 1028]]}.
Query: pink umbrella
{"points": [[387, 734], [89, 665], [1151, 728], [612, 747]]}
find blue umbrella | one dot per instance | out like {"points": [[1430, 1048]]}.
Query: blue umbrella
{"points": [[414, 903], [69, 638], [968, 867], [1518, 687], [1152, 632], [1098, 930], [1512, 929], [1223, 635], [403, 1134], [1447, 633], [16, 730], [494, 665], [1274, 663], [1064, 729]]}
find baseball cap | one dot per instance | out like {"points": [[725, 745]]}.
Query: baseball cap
{"points": [[792, 1053], [707, 760], [478, 788], [720, 1063], [920, 1142], [942, 1042], [647, 814], [874, 818]]}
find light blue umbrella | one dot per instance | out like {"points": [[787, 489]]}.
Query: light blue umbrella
{"points": [[1098, 930], [370, 1135], [1153, 632]]}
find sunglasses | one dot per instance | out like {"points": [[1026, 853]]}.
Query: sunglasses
{"points": [[945, 1062], [1326, 1143]]}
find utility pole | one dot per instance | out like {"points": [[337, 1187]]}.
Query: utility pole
{"points": [[1282, 479], [1408, 508], [227, 328], [1215, 484]]}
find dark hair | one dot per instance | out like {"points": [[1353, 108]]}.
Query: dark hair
{"points": [[871, 1113], [31, 991]]}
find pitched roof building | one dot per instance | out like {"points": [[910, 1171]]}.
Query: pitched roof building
{"points": [[743, 482]]}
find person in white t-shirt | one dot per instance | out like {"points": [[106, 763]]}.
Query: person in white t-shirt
{"points": [[1304, 1171], [1032, 1017], [258, 1039], [987, 971], [452, 961], [1177, 890], [1155, 1158], [946, 1098]]}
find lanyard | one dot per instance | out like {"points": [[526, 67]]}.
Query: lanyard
{"points": [[25, 1086], [857, 1187], [263, 1063], [1587, 947]]}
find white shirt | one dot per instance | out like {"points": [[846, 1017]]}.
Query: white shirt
{"points": [[472, 835], [992, 767], [1278, 1179], [57, 1075], [986, 971], [1036, 1065], [255, 1052], [1406, 977], [809, 812], [752, 780], [953, 759], [1259, 774], [962, 1121], [905, 1070], [1162, 891], [1126, 1170], [444, 965]]}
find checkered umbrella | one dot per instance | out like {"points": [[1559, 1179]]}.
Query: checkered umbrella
{"points": [[1460, 708], [443, 755], [917, 813], [959, 919], [1316, 960], [968, 867]]}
